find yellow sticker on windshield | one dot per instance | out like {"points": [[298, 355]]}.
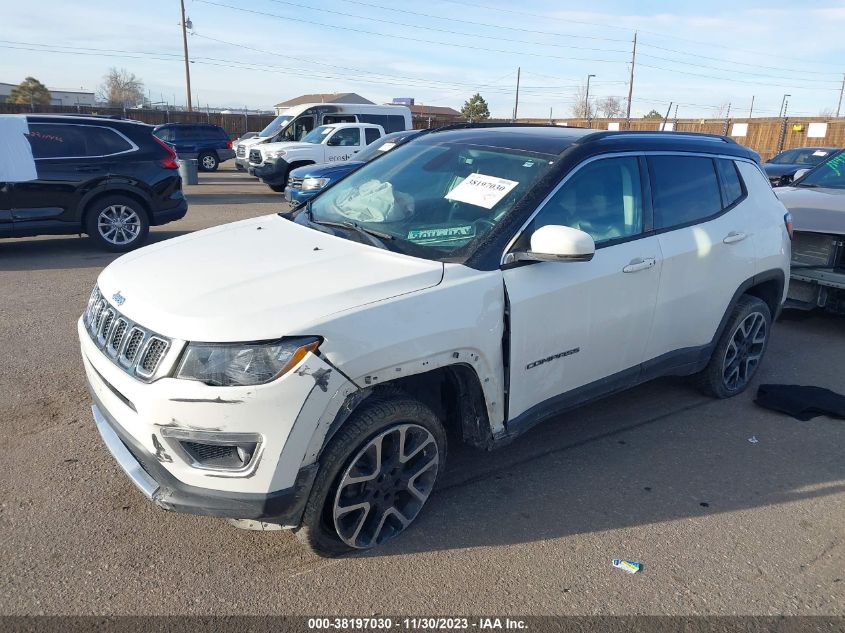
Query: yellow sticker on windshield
{"points": [[481, 190]]}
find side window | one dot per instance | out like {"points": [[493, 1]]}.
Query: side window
{"points": [[732, 186], [165, 134], [603, 198], [103, 141], [49, 140], [684, 189], [395, 123], [347, 137], [371, 135]]}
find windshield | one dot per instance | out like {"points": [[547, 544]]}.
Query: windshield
{"points": [[830, 174], [380, 146], [275, 126], [433, 199], [805, 156], [317, 135]]}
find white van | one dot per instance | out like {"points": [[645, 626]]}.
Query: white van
{"points": [[295, 122]]}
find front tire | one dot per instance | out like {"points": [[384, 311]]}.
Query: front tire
{"points": [[208, 161], [375, 476], [278, 188], [117, 223], [740, 350]]}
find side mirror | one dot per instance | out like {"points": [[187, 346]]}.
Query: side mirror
{"points": [[555, 243], [800, 174]]}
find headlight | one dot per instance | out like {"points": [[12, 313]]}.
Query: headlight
{"points": [[309, 184], [227, 364], [275, 153]]}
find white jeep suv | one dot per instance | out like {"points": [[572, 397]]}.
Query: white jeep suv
{"points": [[302, 374]]}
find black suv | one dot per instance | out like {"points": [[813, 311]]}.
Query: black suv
{"points": [[209, 144], [108, 178]]}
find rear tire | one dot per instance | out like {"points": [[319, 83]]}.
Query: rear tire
{"points": [[371, 486], [208, 161], [117, 223], [740, 350]]}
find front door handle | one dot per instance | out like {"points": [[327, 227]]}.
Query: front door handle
{"points": [[734, 236], [639, 263]]}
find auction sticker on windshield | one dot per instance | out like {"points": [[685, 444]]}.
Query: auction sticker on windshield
{"points": [[481, 190], [451, 233]]}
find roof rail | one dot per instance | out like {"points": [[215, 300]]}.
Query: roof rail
{"points": [[465, 126], [695, 136]]}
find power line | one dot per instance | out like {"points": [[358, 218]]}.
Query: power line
{"points": [[464, 4]]}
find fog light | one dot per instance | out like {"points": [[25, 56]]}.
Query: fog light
{"points": [[211, 450]]}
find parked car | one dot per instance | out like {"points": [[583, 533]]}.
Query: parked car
{"points": [[273, 162], [781, 168], [244, 137], [306, 182], [817, 203], [481, 279], [294, 122], [108, 178], [209, 144]]}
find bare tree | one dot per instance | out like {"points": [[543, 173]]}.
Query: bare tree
{"points": [[609, 107], [721, 110], [828, 113], [580, 109], [121, 88]]}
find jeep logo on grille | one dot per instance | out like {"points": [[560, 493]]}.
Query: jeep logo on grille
{"points": [[118, 298]]}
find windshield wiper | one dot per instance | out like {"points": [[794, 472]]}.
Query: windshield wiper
{"points": [[372, 236]]}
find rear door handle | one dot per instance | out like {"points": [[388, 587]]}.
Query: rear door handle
{"points": [[639, 263], [734, 236]]}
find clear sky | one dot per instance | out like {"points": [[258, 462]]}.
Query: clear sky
{"points": [[256, 53]]}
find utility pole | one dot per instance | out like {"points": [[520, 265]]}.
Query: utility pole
{"points": [[727, 120], [782, 111], [668, 110], [187, 63], [784, 105], [751, 109], [516, 101], [841, 90], [631, 84], [675, 122], [550, 116], [587, 103]]}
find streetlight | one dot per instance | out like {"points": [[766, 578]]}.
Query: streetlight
{"points": [[782, 106], [587, 103]]}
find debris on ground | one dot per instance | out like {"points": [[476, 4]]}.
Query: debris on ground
{"points": [[627, 565], [753, 439], [801, 402]]}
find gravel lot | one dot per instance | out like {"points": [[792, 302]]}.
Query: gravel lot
{"points": [[659, 475]]}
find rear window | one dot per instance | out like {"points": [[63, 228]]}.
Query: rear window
{"points": [[371, 135], [51, 140], [685, 190]]}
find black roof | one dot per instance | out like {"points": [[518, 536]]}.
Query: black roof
{"points": [[554, 139], [81, 118]]}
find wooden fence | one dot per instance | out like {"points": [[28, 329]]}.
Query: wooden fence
{"points": [[234, 124], [763, 135]]}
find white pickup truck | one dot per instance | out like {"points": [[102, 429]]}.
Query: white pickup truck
{"points": [[272, 162]]}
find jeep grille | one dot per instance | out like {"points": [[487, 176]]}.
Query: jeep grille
{"points": [[130, 346]]}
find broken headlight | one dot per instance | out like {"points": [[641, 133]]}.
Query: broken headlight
{"points": [[228, 364]]}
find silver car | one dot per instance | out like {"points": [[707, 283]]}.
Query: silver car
{"points": [[816, 201]]}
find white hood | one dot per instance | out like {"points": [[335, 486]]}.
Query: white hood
{"points": [[257, 279], [815, 209], [287, 145]]}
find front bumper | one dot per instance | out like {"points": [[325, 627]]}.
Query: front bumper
{"points": [[297, 197], [284, 507], [273, 171], [147, 416]]}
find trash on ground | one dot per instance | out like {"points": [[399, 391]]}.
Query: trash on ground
{"points": [[753, 439], [627, 565]]}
